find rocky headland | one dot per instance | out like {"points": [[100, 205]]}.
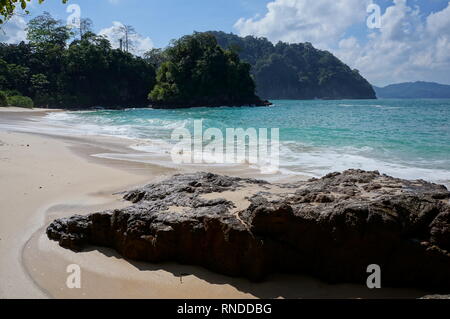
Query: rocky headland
{"points": [[331, 228]]}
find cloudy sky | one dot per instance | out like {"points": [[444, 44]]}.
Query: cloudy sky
{"points": [[410, 43]]}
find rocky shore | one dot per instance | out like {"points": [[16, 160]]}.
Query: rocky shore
{"points": [[332, 228]]}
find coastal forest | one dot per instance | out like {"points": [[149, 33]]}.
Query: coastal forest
{"points": [[87, 72], [196, 71], [296, 71], [76, 68]]}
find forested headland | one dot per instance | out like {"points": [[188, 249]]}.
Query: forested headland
{"points": [[76, 69], [196, 71], [296, 71]]}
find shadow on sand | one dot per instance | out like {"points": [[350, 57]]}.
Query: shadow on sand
{"points": [[275, 286]]}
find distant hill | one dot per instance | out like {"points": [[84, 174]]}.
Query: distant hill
{"points": [[414, 90], [296, 71]]}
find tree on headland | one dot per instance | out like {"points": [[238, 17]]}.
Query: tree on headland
{"points": [[198, 72], [155, 57], [103, 76], [45, 30], [126, 34], [85, 27]]}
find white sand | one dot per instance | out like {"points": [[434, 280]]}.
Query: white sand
{"points": [[13, 109]]}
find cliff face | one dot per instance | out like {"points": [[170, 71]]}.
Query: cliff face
{"points": [[296, 71], [332, 227]]}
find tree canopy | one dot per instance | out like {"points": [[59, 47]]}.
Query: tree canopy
{"points": [[44, 30], [85, 73], [203, 68], [196, 71], [61, 68]]}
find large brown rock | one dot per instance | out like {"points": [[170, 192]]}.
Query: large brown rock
{"points": [[333, 227]]}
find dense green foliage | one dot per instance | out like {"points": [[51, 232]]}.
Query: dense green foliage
{"points": [[86, 73], [414, 90], [202, 69], [195, 71], [3, 99], [13, 98], [296, 71], [20, 101]]}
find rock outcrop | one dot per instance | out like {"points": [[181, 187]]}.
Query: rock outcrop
{"points": [[332, 228]]}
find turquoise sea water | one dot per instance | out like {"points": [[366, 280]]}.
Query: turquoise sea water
{"points": [[404, 138]]}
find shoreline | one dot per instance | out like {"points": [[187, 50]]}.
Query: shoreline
{"points": [[37, 171], [60, 177], [30, 189], [15, 109]]}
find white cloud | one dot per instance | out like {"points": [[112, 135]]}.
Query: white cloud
{"points": [[408, 47], [439, 22], [113, 34], [316, 21], [13, 31]]}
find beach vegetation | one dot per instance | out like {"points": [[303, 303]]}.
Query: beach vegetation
{"points": [[20, 101]]}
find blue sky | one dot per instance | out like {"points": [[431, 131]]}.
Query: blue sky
{"points": [[412, 44], [161, 20]]}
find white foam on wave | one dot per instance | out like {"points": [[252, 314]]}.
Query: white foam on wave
{"points": [[167, 124], [300, 159], [110, 126], [378, 106], [295, 158], [319, 161]]}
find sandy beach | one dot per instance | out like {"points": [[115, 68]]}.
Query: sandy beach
{"points": [[46, 177]]}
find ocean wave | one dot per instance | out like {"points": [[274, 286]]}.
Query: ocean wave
{"points": [[320, 161], [378, 106], [150, 131], [108, 124]]}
